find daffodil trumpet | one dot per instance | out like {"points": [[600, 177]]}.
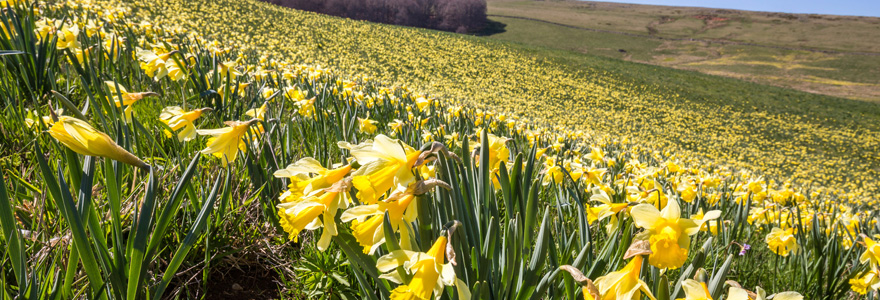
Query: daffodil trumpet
{"points": [[625, 283], [402, 208], [429, 271], [668, 233]]}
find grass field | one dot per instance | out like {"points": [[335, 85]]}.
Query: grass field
{"points": [[769, 130], [181, 150], [823, 54]]}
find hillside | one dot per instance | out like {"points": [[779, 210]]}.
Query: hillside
{"points": [[194, 150], [824, 54], [769, 130]]}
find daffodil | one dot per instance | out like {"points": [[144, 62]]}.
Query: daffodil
{"points": [[385, 163], [84, 139], [8, 3], [593, 176], [738, 293], [402, 209], [625, 284], [258, 113], [159, 65], [177, 118], [422, 103], [367, 126], [668, 233], [872, 252], [301, 181], [553, 174], [226, 142], [307, 200], [596, 155], [228, 69], [396, 126], [695, 290], [711, 225], [498, 152], [121, 97], [306, 107], [294, 94], [782, 241], [429, 270], [688, 191], [540, 152], [608, 209], [367, 220], [870, 281], [113, 45], [240, 88], [68, 37]]}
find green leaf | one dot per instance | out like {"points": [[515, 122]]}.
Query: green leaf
{"points": [[194, 233], [61, 195], [15, 243]]}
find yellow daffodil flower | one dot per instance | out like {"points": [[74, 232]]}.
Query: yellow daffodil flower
{"points": [[553, 174], [241, 88], [871, 254], [782, 241], [711, 225], [294, 94], [367, 126], [870, 281], [385, 163], [257, 113], [738, 293], [606, 210], [68, 37], [84, 139], [396, 126], [306, 200], [624, 284], [402, 209], [159, 65], [226, 142], [306, 107], [121, 97], [695, 290], [596, 154], [594, 175], [301, 184], [688, 192], [498, 151], [368, 219], [429, 272], [228, 69], [177, 118], [422, 103], [668, 233]]}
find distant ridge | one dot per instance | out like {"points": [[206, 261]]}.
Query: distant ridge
{"points": [[647, 36]]}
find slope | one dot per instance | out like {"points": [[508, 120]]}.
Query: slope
{"points": [[779, 132]]}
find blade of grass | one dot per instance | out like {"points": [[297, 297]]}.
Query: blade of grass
{"points": [[189, 241]]}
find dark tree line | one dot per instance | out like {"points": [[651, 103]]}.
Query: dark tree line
{"points": [[448, 15]]}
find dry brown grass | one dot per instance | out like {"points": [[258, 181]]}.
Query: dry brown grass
{"points": [[829, 55]]}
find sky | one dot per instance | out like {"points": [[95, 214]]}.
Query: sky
{"points": [[870, 8]]}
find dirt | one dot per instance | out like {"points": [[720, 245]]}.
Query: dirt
{"points": [[247, 283]]}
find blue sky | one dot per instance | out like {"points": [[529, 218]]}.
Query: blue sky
{"points": [[869, 8]]}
